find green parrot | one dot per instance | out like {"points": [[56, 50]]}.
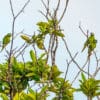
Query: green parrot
{"points": [[6, 40], [90, 43], [90, 40], [85, 44], [92, 46]]}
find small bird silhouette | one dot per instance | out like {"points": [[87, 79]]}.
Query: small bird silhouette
{"points": [[90, 43], [6, 40]]}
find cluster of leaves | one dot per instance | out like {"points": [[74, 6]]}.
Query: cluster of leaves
{"points": [[62, 89], [90, 87], [50, 27], [40, 72], [35, 70]]}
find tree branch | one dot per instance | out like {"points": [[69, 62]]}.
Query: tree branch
{"points": [[22, 9], [66, 5]]}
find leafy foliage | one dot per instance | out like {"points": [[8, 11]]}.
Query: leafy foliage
{"points": [[90, 87], [50, 27], [37, 78]]}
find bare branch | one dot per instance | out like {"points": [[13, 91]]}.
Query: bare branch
{"points": [[48, 14], [56, 10], [22, 9], [48, 4], [96, 72], [44, 4], [19, 49], [82, 30], [97, 60], [66, 5], [68, 64], [12, 8], [79, 72], [55, 49], [72, 57], [57, 6], [19, 53], [43, 14]]}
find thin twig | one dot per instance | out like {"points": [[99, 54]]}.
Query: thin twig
{"points": [[22, 9], [68, 64], [66, 5], [47, 10], [72, 57], [82, 30], [96, 58], [56, 10], [12, 8], [48, 4], [21, 51], [55, 49], [19, 48], [96, 72], [43, 14], [79, 72], [44, 4]]}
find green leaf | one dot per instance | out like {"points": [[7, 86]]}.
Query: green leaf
{"points": [[33, 56], [4, 96], [40, 44], [44, 89], [17, 76], [43, 27], [26, 38], [55, 72], [59, 33], [31, 91], [24, 96], [42, 95], [97, 94], [31, 96], [90, 87], [83, 77], [53, 88], [34, 37], [29, 74], [36, 77], [55, 98]]}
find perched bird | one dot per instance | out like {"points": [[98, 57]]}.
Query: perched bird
{"points": [[85, 44], [6, 40], [90, 43]]}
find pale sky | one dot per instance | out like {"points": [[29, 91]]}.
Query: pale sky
{"points": [[84, 11]]}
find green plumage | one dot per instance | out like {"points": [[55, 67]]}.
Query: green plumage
{"points": [[90, 43], [6, 40], [85, 45]]}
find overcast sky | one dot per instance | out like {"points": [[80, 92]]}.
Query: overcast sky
{"points": [[85, 11]]}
